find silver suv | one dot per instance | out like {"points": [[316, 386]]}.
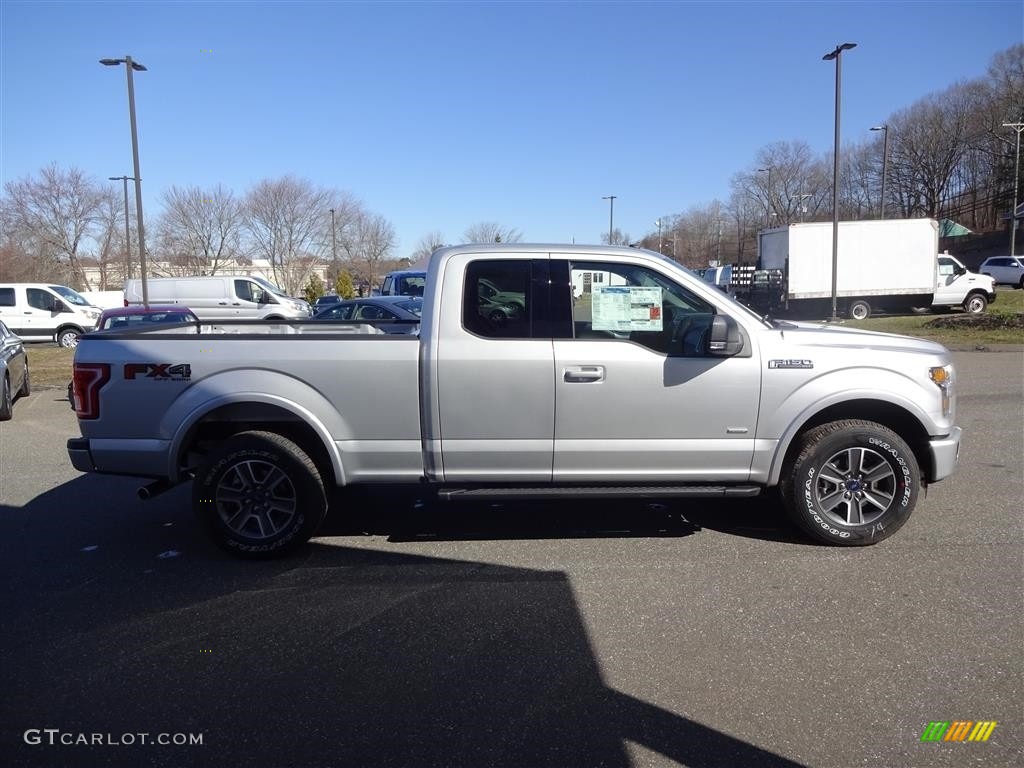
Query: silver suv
{"points": [[1005, 270]]}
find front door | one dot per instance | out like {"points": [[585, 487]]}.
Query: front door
{"points": [[636, 396]]}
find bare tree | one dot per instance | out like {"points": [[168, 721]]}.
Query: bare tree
{"points": [[491, 232], [200, 230], [285, 220], [111, 251], [59, 209], [426, 245], [368, 243]]}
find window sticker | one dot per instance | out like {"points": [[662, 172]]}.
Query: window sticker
{"points": [[626, 308]]}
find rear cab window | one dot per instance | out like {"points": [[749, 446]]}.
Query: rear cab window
{"points": [[497, 299]]}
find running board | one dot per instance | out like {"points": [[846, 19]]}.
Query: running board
{"points": [[603, 492]]}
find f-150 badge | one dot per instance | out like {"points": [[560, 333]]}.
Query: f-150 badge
{"points": [[790, 364]]}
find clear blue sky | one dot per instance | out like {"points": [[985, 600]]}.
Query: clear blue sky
{"points": [[441, 115]]}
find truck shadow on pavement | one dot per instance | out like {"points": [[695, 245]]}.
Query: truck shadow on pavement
{"points": [[401, 516], [340, 656]]}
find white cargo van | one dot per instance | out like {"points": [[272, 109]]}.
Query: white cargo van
{"points": [[219, 297], [46, 312]]}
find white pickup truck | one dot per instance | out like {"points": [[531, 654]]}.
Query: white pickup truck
{"points": [[649, 382]]}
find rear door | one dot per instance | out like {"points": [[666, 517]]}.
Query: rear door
{"points": [[496, 395], [12, 307]]}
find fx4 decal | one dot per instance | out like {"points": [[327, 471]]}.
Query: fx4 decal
{"points": [[160, 371]]}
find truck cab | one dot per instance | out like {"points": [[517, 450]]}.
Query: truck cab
{"points": [[956, 286]]}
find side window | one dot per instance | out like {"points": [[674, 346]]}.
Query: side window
{"points": [[6, 297], [385, 289], [373, 312], [39, 299], [497, 299], [247, 290], [631, 303]]}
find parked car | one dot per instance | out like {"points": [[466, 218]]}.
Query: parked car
{"points": [[395, 308], [14, 378], [326, 301], [127, 318], [46, 312], [1005, 270]]}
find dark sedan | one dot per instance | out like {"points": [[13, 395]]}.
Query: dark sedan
{"points": [[403, 312], [14, 379]]}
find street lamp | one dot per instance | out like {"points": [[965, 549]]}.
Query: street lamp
{"points": [[768, 196], [611, 214], [837, 55], [127, 231], [1018, 127], [134, 66], [885, 165]]}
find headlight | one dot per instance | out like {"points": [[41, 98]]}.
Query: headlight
{"points": [[943, 378]]}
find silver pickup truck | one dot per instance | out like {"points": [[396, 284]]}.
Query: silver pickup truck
{"points": [[620, 373]]}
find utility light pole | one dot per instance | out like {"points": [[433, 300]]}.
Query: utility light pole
{"points": [[768, 197], [837, 55], [334, 242], [885, 165], [127, 230], [134, 66], [1018, 127], [611, 215]]}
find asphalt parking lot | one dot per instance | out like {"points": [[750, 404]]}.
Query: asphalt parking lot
{"points": [[625, 634]]}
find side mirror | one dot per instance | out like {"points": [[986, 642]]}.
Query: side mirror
{"points": [[58, 306], [725, 339], [959, 270]]}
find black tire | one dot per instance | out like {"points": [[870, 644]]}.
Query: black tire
{"points": [[259, 495], [1021, 284], [68, 338], [852, 483], [976, 304], [26, 383], [859, 310], [6, 399]]}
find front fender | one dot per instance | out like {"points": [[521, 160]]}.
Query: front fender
{"points": [[792, 412]]}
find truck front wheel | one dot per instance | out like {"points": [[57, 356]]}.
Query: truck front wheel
{"points": [[68, 337], [259, 495], [852, 483], [976, 304]]}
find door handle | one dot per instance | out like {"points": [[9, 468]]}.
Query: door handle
{"points": [[222, 303], [581, 374]]}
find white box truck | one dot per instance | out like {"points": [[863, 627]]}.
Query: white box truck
{"points": [[888, 265]]}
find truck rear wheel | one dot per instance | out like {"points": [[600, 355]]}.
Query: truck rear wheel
{"points": [[860, 310], [259, 495], [852, 483]]}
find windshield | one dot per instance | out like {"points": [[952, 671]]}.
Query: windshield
{"points": [[269, 286], [415, 306], [73, 297]]}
